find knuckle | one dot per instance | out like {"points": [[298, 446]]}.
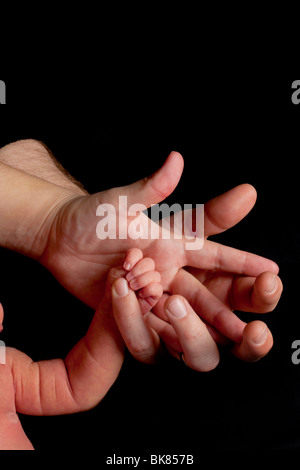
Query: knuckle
{"points": [[114, 273], [157, 289], [149, 263], [150, 181], [134, 253], [192, 336], [218, 318], [149, 278], [146, 264]]}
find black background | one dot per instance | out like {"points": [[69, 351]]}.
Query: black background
{"points": [[231, 128]]}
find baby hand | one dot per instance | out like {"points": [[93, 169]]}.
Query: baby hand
{"points": [[143, 279]]}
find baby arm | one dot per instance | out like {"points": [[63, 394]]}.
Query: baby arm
{"points": [[81, 380]]}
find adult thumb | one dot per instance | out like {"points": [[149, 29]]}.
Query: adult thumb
{"points": [[155, 188]]}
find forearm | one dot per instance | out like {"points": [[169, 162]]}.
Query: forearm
{"points": [[27, 206], [79, 382], [34, 158]]}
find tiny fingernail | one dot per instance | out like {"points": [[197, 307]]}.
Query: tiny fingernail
{"points": [[129, 276], [177, 309], [134, 284], [152, 299], [260, 338], [272, 285], [121, 287], [126, 266]]}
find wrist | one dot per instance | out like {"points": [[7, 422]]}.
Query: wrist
{"points": [[39, 235], [27, 207]]}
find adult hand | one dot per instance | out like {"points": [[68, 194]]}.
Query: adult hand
{"points": [[80, 261], [60, 225]]}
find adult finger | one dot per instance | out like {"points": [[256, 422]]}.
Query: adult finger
{"points": [[149, 190], [159, 185], [226, 210], [256, 343], [216, 257], [208, 306], [250, 294], [142, 341], [200, 350], [159, 322], [166, 333], [259, 295]]}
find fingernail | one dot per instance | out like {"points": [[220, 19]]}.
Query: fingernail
{"points": [[121, 287], [134, 284], [260, 338], [177, 309], [129, 276], [272, 285], [127, 266]]}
